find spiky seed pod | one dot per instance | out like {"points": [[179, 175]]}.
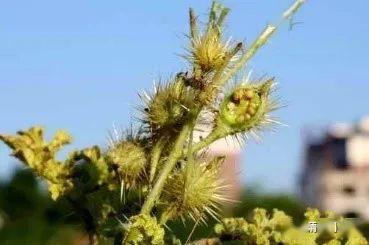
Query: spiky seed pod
{"points": [[143, 229], [209, 51], [130, 161], [247, 107], [169, 106], [194, 191]]}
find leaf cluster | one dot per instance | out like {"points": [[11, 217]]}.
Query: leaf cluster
{"points": [[278, 228]]}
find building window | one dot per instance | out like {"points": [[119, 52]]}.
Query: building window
{"points": [[338, 152], [348, 190], [351, 214]]}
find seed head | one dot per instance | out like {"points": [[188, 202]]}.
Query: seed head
{"points": [[195, 190], [169, 106], [130, 161], [209, 51]]}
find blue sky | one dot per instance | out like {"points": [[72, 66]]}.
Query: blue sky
{"points": [[78, 65]]}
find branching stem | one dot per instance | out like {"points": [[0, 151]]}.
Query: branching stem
{"points": [[215, 135], [175, 154]]}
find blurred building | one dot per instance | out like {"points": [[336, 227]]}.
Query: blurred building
{"points": [[335, 174]]}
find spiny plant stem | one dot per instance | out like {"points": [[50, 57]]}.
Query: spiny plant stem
{"points": [[175, 154], [256, 45], [293, 9], [216, 134], [190, 155], [164, 217], [155, 156]]}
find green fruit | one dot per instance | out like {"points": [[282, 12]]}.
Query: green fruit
{"points": [[245, 107]]}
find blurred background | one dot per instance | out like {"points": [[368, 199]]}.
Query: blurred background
{"points": [[78, 65]]}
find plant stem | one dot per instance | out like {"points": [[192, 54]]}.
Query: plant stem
{"points": [[164, 218], [219, 79], [175, 154], [255, 46], [155, 156], [293, 9], [216, 134], [87, 220]]}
